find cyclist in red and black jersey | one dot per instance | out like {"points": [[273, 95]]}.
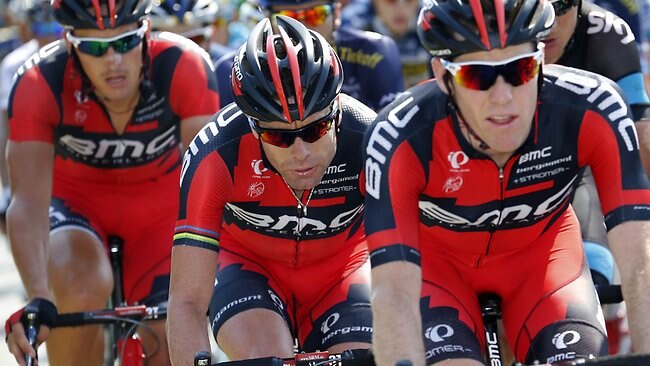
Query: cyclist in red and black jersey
{"points": [[272, 203], [96, 127], [469, 179]]}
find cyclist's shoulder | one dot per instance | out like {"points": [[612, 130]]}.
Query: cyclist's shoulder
{"points": [[48, 64], [579, 90], [419, 108], [169, 45], [356, 116], [602, 25], [228, 125], [425, 100], [223, 65]]}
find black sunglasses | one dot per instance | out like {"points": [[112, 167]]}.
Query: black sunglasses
{"points": [[562, 6], [285, 138]]}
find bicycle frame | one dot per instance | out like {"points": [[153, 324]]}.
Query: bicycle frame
{"points": [[491, 313]]}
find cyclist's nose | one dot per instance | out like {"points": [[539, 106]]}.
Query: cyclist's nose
{"points": [[300, 149], [501, 92], [113, 57]]}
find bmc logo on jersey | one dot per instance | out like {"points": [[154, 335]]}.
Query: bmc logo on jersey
{"points": [[534, 155], [439, 332], [120, 148], [289, 222], [382, 139], [610, 102], [38, 56]]}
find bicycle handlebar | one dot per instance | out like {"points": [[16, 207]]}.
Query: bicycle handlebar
{"points": [[355, 357], [107, 316], [31, 330]]}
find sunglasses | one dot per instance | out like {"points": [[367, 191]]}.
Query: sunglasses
{"points": [[481, 75], [310, 17], [122, 43], [562, 6], [285, 138]]}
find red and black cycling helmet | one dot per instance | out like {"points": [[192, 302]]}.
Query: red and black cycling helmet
{"points": [[285, 74], [99, 14], [453, 27]]}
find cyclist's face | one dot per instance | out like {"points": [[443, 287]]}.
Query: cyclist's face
{"points": [[396, 14], [501, 115], [560, 35], [115, 76], [302, 164]]}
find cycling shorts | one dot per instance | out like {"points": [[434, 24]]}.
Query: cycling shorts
{"points": [[550, 309], [142, 214], [323, 304]]}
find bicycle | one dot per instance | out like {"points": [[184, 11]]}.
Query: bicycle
{"points": [[491, 312], [123, 346], [354, 357]]}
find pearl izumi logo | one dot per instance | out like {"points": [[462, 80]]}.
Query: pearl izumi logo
{"points": [[329, 322], [439, 332], [457, 159], [564, 339], [258, 167]]}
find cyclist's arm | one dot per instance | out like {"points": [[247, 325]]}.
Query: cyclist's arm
{"points": [[28, 225], [397, 323], [205, 187], [392, 226], [193, 272], [630, 244]]}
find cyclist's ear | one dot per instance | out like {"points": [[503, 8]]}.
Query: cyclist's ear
{"points": [[439, 73]]}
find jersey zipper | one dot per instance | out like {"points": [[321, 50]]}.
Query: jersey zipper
{"points": [[493, 227]]}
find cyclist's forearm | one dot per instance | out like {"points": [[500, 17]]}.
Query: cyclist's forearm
{"points": [[397, 329], [630, 244], [28, 232], [186, 332]]}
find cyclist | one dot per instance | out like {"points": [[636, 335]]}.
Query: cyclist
{"points": [[271, 199], [493, 149], [588, 37], [38, 28], [367, 57], [189, 18], [96, 126], [397, 19]]}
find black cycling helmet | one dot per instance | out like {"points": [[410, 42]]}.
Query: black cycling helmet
{"points": [[286, 74], [453, 27], [99, 14]]}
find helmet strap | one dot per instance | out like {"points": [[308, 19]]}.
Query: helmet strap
{"points": [[461, 120]]}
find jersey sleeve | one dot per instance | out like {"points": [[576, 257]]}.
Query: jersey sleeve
{"points": [[33, 110], [206, 185], [609, 144], [194, 86], [394, 180]]}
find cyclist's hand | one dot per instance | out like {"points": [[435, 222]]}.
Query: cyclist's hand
{"points": [[17, 342]]}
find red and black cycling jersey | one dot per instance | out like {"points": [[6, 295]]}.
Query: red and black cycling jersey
{"points": [[229, 194], [47, 104], [425, 182]]}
